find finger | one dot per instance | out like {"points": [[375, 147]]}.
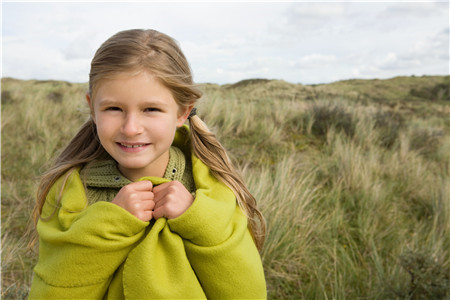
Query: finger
{"points": [[158, 213], [148, 205], [161, 192], [164, 189], [145, 196], [161, 202], [145, 215], [161, 187], [144, 185]]}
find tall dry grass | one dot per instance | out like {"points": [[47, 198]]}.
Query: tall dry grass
{"points": [[356, 206], [355, 193]]}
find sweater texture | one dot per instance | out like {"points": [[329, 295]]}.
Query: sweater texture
{"points": [[97, 250], [103, 179]]}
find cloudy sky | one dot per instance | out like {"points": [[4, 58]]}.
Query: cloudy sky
{"points": [[300, 42]]}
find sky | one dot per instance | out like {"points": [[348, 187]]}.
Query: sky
{"points": [[228, 41]]}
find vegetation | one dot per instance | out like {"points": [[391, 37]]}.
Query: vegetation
{"points": [[352, 177]]}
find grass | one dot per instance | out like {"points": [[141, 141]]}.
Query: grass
{"points": [[352, 177]]}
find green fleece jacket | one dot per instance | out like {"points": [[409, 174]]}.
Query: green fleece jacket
{"points": [[101, 251]]}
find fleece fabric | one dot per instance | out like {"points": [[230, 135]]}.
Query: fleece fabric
{"points": [[101, 251]]}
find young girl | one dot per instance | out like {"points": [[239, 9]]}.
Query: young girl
{"points": [[139, 205]]}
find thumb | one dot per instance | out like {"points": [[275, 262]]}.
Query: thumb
{"points": [[144, 185]]}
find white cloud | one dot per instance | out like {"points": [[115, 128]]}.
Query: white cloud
{"points": [[317, 11], [414, 10], [27, 59], [226, 42], [315, 60]]}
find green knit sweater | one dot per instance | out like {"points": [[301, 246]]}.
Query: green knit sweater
{"points": [[103, 179], [101, 251]]}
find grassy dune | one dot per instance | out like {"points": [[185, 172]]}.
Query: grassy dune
{"points": [[352, 177]]}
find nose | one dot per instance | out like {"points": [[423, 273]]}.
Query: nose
{"points": [[132, 125]]}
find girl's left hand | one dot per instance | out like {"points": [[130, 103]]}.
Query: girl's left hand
{"points": [[171, 199]]}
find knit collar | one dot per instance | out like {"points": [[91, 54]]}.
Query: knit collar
{"points": [[105, 173]]}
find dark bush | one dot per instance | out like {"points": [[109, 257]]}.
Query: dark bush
{"points": [[327, 116], [438, 92], [426, 141], [429, 279], [388, 124], [6, 97], [55, 96]]}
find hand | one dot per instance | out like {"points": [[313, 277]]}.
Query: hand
{"points": [[137, 199], [172, 199]]}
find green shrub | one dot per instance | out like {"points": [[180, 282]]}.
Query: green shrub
{"points": [[438, 92], [328, 115], [388, 124], [429, 279], [425, 141]]}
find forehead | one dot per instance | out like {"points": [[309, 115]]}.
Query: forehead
{"points": [[108, 78], [135, 82]]}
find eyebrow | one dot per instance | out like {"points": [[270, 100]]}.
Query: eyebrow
{"points": [[109, 102]]}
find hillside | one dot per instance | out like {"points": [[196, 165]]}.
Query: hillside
{"points": [[352, 178], [427, 88]]}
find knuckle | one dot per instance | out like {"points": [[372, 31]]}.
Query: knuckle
{"points": [[173, 188], [136, 205], [127, 188]]}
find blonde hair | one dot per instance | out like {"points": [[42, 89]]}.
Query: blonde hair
{"points": [[149, 50]]}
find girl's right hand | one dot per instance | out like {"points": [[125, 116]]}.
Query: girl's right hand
{"points": [[137, 199]]}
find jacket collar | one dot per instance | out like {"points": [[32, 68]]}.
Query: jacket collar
{"points": [[105, 173]]}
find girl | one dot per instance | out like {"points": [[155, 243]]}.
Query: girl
{"points": [[138, 205]]}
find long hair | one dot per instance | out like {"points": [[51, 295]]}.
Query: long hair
{"points": [[149, 50]]}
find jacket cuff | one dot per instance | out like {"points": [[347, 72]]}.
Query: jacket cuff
{"points": [[123, 222], [206, 222]]}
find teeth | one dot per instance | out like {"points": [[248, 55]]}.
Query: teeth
{"points": [[131, 146]]}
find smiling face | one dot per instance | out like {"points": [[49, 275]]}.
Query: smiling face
{"points": [[136, 118]]}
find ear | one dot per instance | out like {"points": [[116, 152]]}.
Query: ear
{"points": [[184, 114], [89, 101]]}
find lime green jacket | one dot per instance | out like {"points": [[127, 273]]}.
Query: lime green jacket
{"points": [[101, 251]]}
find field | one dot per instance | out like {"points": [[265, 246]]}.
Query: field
{"points": [[352, 178]]}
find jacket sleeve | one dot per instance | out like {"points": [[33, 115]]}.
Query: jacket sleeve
{"points": [[218, 243], [80, 247]]}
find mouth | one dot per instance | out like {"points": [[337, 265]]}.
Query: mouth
{"points": [[132, 145]]}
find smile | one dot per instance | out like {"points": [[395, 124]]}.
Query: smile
{"points": [[131, 146]]}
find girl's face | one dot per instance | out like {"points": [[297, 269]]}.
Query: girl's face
{"points": [[136, 118]]}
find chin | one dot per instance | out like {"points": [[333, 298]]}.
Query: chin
{"points": [[136, 166]]}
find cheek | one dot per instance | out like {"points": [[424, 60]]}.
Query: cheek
{"points": [[164, 131], [104, 129]]}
